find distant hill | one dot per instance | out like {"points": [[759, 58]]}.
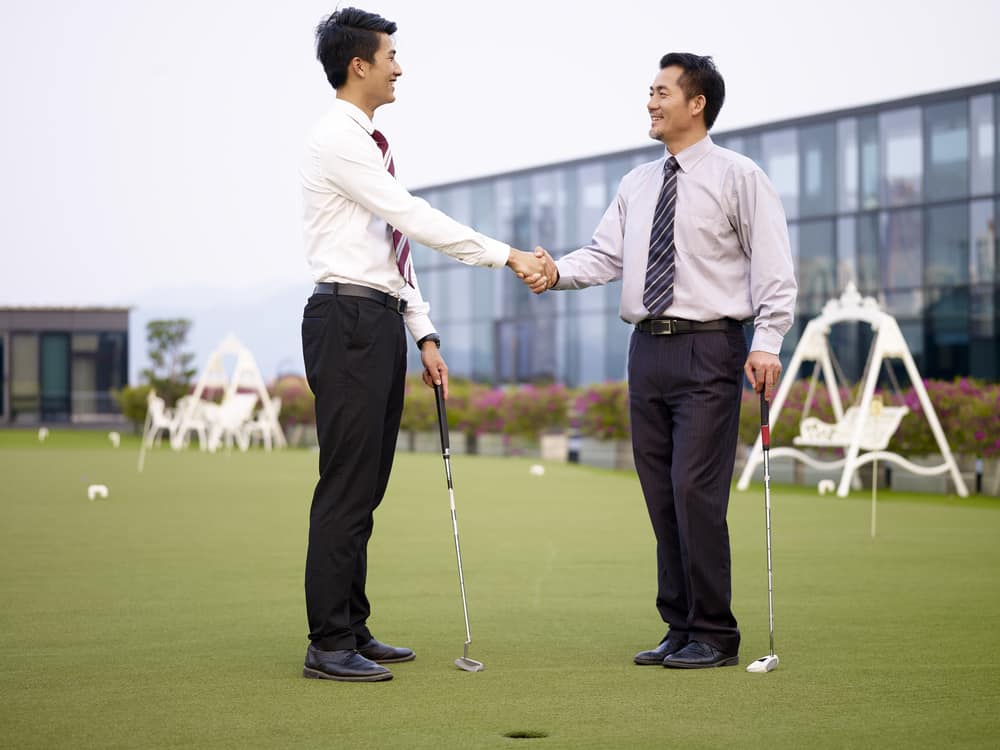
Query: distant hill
{"points": [[267, 321]]}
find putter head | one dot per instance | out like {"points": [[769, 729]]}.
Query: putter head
{"points": [[469, 665], [764, 664]]}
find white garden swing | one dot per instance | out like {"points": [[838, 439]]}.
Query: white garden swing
{"points": [[864, 429]]}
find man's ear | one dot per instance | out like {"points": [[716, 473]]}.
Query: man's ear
{"points": [[697, 105]]}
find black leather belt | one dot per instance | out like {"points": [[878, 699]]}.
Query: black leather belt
{"points": [[356, 290], [670, 326]]}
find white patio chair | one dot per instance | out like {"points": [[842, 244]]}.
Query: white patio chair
{"points": [[193, 415], [262, 427], [159, 419], [230, 422]]}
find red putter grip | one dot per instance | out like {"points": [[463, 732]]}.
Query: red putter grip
{"points": [[765, 428]]}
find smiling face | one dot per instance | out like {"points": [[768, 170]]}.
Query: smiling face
{"points": [[379, 76], [675, 120]]}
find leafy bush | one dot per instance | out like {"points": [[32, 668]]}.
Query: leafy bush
{"points": [[132, 400], [601, 411], [531, 410], [419, 406], [297, 402]]}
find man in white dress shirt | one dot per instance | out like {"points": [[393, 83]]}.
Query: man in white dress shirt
{"points": [[700, 242], [357, 220]]}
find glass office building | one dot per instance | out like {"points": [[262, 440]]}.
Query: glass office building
{"points": [[900, 197], [61, 364]]}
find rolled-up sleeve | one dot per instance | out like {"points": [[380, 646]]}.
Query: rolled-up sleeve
{"points": [[764, 236]]}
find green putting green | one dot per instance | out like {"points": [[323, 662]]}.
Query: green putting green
{"points": [[171, 613]]}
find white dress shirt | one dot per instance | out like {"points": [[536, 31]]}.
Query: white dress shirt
{"points": [[732, 254], [350, 202]]}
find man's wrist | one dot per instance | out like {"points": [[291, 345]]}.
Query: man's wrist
{"points": [[429, 337]]}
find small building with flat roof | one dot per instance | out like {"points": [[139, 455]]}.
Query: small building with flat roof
{"points": [[61, 364]]}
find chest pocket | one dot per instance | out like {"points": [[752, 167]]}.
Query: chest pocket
{"points": [[710, 235]]}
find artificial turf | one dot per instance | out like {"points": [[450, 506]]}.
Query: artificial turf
{"points": [[171, 614]]}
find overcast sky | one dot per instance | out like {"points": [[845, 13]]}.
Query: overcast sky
{"points": [[149, 145]]}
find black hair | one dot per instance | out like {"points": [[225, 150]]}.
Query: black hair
{"points": [[700, 76], [346, 34]]}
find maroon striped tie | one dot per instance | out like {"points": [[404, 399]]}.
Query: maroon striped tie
{"points": [[400, 244]]}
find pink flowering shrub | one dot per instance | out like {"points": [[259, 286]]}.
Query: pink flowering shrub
{"points": [[531, 410], [601, 411], [297, 402], [968, 410]]}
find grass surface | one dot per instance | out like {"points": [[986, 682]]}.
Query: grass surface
{"points": [[171, 614]]}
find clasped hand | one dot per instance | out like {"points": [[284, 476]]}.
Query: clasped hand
{"points": [[538, 270]]}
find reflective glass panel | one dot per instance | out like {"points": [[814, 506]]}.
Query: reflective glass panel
{"points": [[946, 128], [901, 155]]}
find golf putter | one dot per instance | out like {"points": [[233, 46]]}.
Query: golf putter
{"points": [[464, 662], [770, 662]]}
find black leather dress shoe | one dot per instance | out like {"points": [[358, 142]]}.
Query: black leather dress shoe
{"points": [[385, 654], [669, 645], [346, 665], [698, 655]]}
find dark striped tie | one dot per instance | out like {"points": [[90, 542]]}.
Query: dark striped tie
{"points": [[659, 292], [400, 244]]}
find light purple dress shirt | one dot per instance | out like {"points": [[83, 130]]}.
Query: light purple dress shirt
{"points": [[732, 260]]}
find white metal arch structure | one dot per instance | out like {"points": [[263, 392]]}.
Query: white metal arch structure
{"points": [[245, 375], [856, 429]]}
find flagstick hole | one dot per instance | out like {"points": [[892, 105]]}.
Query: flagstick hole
{"points": [[526, 735]]}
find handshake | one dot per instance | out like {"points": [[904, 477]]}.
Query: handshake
{"points": [[537, 270]]}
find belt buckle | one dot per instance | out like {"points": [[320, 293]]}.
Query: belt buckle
{"points": [[666, 327], [400, 305]]}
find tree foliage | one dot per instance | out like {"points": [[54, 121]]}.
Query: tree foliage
{"points": [[170, 372]]}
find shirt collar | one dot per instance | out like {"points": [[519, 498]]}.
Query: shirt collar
{"points": [[689, 157], [355, 113]]}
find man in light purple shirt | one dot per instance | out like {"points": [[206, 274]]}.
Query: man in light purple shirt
{"points": [[729, 261]]}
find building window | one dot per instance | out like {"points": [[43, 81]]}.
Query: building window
{"points": [[818, 170], [901, 261], [870, 161], [25, 404], [847, 252], [946, 333], [947, 246], [592, 204], [780, 154], [868, 253], [847, 164], [982, 242], [946, 127], [55, 376], [84, 348], [901, 151], [983, 142], [817, 281]]}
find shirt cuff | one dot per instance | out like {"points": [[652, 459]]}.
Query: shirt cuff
{"points": [[495, 254], [766, 341], [419, 325]]}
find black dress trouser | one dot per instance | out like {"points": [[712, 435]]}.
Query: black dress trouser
{"points": [[684, 405], [355, 357]]}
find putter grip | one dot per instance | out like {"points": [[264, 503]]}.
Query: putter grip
{"points": [[765, 427], [442, 418]]}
